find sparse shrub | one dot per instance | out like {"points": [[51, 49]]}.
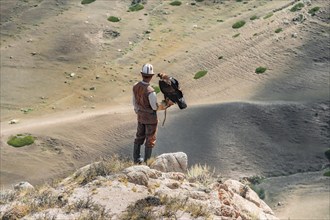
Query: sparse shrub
{"points": [[20, 141], [254, 17], [327, 173], [327, 154], [278, 30], [113, 19], [220, 57], [200, 74], [142, 209], [16, 212], [314, 10], [236, 35], [220, 20], [259, 191], [176, 3], [156, 88], [199, 0], [136, 7], [297, 7], [239, 0], [261, 69], [238, 24], [269, 15], [84, 2], [201, 174]]}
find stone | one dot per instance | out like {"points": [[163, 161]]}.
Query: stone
{"points": [[72, 74], [171, 162], [294, 35], [13, 121], [140, 174], [23, 186]]}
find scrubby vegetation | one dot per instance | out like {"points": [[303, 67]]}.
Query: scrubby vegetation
{"points": [[254, 17], [278, 30], [236, 35], [20, 140], [314, 10], [238, 24], [269, 15], [201, 174], [136, 7], [200, 74], [327, 154], [327, 173], [113, 19], [253, 183], [175, 3], [297, 7], [156, 88], [84, 2], [260, 69]]}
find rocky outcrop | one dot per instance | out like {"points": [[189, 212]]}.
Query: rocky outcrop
{"points": [[171, 162], [136, 192]]}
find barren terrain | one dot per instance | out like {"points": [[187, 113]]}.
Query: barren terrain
{"points": [[66, 76]]}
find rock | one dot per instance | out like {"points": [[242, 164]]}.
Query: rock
{"points": [[72, 74], [92, 88], [97, 76], [13, 121], [140, 174], [171, 162], [34, 53], [23, 186], [294, 35]]}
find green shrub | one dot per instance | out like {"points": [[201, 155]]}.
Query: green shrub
{"points": [[236, 35], [84, 2], [113, 19], [136, 7], [254, 17], [297, 7], [260, 69], [260, 191], [314, 10], [238, 24], [199, 0], [278, 30], [20, 140], [239, 0], [200, 74], [268, 16], [176, 3], [327, 173], [156, 88], [327, 154]]}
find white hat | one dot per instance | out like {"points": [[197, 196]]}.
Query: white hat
{"points": [[147, 69]]}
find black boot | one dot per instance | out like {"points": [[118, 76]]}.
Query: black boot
{"points": [[136, 154], [147, 154]]}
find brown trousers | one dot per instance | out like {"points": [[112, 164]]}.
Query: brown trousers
{"points": [[147, 133]]}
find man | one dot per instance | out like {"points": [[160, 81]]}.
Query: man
{"points": [[146, 107]]}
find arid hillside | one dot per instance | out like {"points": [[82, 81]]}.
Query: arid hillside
{"points": [[262, 108]]}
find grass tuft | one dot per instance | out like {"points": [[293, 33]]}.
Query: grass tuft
{"points": [[236, 35], [254, 17], [238, 24], [278, 30], [200, 74], [314, 10], [156, 88], [260, 69], [201, 174], [327, 173], [20, 141], [85, 2], [136, 7], [113, 19], [269, 15], [176, 3], [297, 7]]}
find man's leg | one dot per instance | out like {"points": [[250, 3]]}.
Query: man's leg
{"points": [[151, 131], [140, 137]]}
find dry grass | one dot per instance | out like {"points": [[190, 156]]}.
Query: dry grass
{"points": [[201, 174]]}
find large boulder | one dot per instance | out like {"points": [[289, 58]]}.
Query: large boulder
{"points": [[140, 174], [171, 162]]}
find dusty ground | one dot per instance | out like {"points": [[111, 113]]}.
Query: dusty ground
{"points": [[243, 123]]}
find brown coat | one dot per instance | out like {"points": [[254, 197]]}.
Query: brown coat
{"points": [[145, 114]]}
